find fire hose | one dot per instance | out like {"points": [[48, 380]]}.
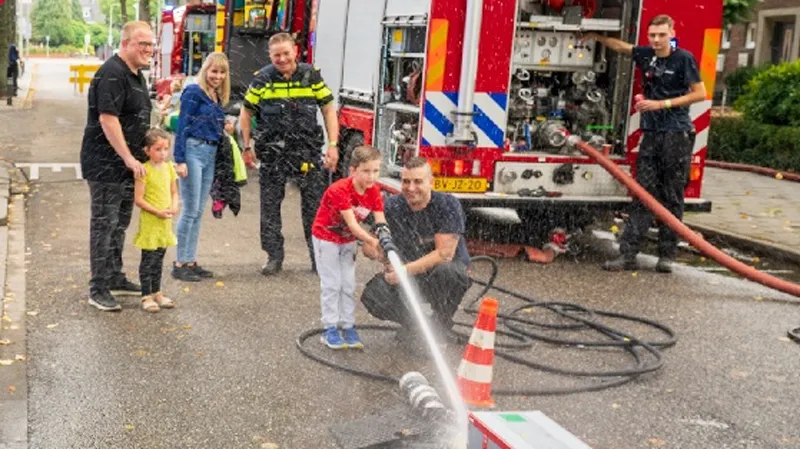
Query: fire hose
{"points": [[684, 231]]}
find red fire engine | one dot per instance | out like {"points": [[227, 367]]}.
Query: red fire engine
{"points": [[495, 92], [240, 28]]}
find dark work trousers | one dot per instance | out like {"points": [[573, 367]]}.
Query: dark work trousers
{"points": [[443, 287], [150, 270], [273, 177], [13, 72], [112, 206], [662, 168]]}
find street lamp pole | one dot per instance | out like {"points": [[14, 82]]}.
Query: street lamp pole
{"points": [[110, 22]]}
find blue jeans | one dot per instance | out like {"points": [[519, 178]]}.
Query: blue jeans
{"points": [[195, 188]]}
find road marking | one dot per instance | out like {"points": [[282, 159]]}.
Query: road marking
{"points": [[28, 103], [56, 167]]}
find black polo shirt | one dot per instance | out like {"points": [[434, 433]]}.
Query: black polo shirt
{"points": [[664, 78], [115, 90]]}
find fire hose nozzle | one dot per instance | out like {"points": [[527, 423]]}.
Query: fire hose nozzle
{"points": [[385, 238]]}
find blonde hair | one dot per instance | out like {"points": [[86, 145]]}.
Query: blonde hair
{"points": [[176, 85], [216, 59], [280, 38], [131, 27]]}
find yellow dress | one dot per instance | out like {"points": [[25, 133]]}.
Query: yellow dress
{"points": [[155, 232]]}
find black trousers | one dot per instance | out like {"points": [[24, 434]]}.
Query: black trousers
{"points": [[13, 72], [150, 269], [273, 177], [112, 206], [443, 287], [662, 168]]}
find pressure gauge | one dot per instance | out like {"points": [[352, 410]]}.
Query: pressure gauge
{"points": [[541, 41], [545, 54], [553, 41]]}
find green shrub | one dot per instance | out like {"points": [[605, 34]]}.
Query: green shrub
{"points": [[773, 96], [745, 141], [737, 82]]}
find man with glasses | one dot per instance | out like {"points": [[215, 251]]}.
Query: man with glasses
{"points": [[111, 156], [671, 83]]}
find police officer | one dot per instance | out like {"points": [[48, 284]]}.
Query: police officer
{"points": [[284, 97], [671, 83]]}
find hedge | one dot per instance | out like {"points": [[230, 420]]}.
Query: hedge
{"points": [[743, 141]]}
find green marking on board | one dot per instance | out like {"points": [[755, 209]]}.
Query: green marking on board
{"points": [[514, 418]]}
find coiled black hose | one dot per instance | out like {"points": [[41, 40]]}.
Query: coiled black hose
{"points": [[518, 329]]}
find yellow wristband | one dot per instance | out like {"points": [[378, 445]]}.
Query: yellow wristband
{"points": [[668, 104]]}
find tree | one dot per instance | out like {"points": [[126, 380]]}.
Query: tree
{"points": [[8, 32], [737, 11], [77, 11], [123, 7], [53, 18], [144, 10]]}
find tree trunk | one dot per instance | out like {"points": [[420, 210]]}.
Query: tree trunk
{"points": [[123, 11], [8, 26], [144, 10]]}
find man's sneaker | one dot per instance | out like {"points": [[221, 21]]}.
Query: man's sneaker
{"points": [[200, 271], [271, 267], [621, 263], [126, 288], [332, 339], [184, 273], [104, 301], [664, 265], [351, 338]]}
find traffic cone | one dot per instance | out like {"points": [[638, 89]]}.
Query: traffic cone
{"points": [[474, 376]]}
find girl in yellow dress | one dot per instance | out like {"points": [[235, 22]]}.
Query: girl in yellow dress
{"points": [[156, 193]]}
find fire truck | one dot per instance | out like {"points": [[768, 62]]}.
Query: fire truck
{"points": [[495, 93], [240, 28]]}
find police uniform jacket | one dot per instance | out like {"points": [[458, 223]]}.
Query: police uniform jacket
{"points": [[286, 112]]}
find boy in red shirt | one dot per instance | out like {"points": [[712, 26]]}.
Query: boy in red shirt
{"points": [[345, 204]]}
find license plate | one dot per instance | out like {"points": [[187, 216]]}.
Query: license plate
{"points": [[460, 185]]}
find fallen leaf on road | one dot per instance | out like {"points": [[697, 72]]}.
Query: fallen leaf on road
{"points": [[32, 313], [186, 289], [756, 259], [635, 274], [6, 362], [615, 405], [12, 388], [168, 329], [614, 229], [269, 446], [785, 339], [6, 318], [778, 176], [187, 326], [141, 352], [20, 358], [529, 310], [758, 298], [52, 326], [129, 427], [5, 342], [655, 442], [744, 216], [220, 284], [747, 192]]}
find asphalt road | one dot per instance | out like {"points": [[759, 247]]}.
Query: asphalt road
{"points": [[221, 370]]}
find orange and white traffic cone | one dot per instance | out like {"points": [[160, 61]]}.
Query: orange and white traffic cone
{"points": [[474, 376]]}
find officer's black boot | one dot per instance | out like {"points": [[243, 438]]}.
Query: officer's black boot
{"points": [[272, 267], [664, 265], [621, 263]]}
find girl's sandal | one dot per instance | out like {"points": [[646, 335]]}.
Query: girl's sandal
{"points": [[149, 304], [163, 301]]}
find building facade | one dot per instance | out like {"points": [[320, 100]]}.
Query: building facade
{"points": [[770, 37]]}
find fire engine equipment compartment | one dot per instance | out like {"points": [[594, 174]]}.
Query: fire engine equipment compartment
{"points": [[563, 89]]}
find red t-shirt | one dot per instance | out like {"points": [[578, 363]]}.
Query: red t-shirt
{"points": [[329, 225]]}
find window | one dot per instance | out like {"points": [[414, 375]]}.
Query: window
{"points": [[743, 60], [720, 62], [750, 39], [726, 37]]}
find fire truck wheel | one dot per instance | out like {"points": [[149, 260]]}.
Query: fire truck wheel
{"points": [[353, 140]]}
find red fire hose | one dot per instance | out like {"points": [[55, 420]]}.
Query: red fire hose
{"points": [[687, 234]]}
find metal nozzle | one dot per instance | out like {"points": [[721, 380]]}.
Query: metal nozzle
{"points": [[421, 396]]}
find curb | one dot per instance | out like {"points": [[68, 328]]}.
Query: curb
{"points": [[741, 241]]}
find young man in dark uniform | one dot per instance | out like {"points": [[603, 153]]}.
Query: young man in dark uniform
{"points": [[284, 97], [428, 229], [111, 156], [671, 83]]}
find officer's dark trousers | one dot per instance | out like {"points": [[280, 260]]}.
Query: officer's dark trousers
{"points": [[443, 287], [273, 178], [112, 206], [662, 168]]}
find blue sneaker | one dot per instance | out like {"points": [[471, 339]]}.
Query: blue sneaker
{"points": [[352, 339], [332, 339]]}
